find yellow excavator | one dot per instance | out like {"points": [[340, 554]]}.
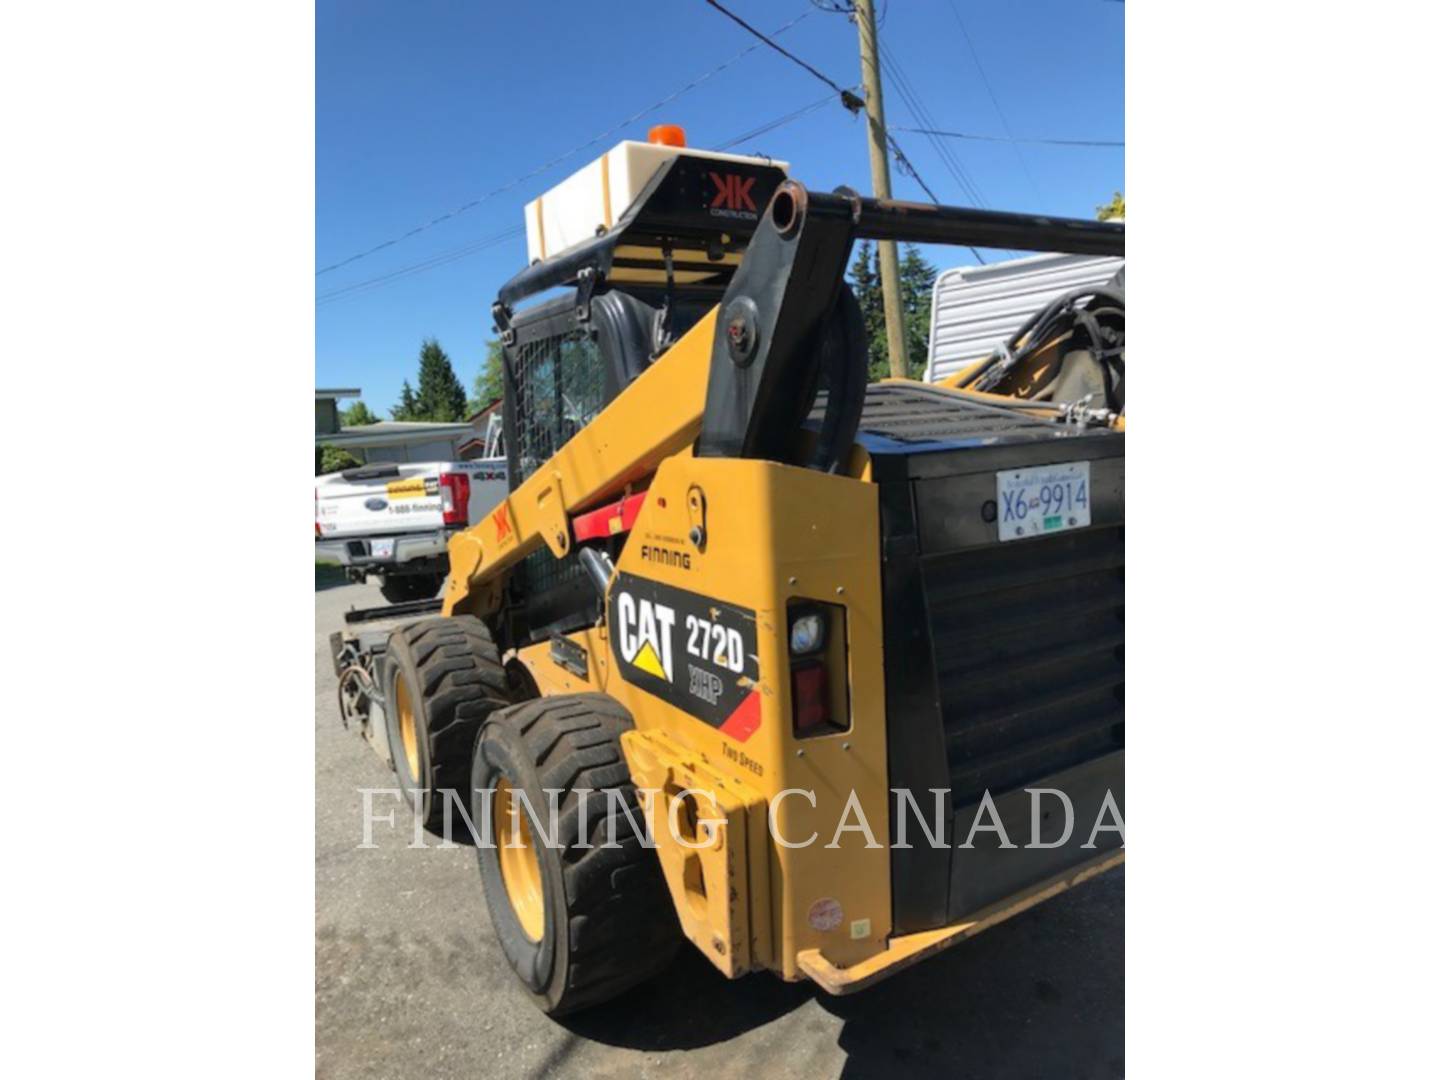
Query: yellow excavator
{"points": [[819, 675]]}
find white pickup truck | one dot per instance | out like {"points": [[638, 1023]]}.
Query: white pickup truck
{"points": [[395, 520]]}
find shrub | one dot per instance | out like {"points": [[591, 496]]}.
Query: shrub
{"points": [[332, 459]]}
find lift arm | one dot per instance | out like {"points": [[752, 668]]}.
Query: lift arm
{"points": [[785, 316], [656, 416]]}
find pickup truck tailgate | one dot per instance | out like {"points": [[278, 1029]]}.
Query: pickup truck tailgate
{"points": [[375, 499]]}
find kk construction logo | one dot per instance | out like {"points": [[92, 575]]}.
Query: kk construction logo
{"points": [[732, 196], [503, 529]]}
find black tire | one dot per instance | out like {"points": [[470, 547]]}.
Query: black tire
{"points": [[404, 588], [608, 919], [447, 672]]}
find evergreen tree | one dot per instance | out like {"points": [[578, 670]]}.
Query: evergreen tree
{"points": [[490, 382], [408, 406], [917, 283], [441, 396], [917, 292], [865, 282]]}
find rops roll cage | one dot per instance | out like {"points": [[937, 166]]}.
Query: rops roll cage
{"points": [[787, 320]]}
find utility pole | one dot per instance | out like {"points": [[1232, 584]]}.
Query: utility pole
{"points": [[880, 180]]}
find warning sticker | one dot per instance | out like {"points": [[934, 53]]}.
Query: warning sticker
{"points": [[695, 652], [825, 914]]}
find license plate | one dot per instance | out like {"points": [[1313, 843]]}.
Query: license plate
{"points": [[1043, 500], [382, 549]]}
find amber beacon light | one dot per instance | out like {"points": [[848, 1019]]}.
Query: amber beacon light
{"points": [[667, 135]]}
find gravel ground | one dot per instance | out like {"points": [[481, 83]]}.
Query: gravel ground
{"points": [[409, 980]]}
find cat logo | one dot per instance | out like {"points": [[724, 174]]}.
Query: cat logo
{"points": [[645, 635], [696, 652]]}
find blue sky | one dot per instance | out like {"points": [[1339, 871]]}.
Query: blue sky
{"points": [[423, 106]]}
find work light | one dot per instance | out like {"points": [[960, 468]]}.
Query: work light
{"points": [[807, 634]]}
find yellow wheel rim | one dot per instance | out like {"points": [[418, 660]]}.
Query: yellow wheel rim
{"points": [[408, 737], [519, 862]]}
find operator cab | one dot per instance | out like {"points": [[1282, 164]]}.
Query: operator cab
{"points": [[632, 250]]}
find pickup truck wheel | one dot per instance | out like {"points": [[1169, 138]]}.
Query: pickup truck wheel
{"points": [[443, 678], [579, 925], [403, 588]]}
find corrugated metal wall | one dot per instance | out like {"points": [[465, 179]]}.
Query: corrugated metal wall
{"points": [[977, 307]]}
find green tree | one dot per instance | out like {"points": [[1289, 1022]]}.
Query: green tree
{"points": [[1115, 208], [865, 282], [407, 408], [440, 396], [917, 292], [490, 382], [333, 459], [358, 415], [917, 282]]}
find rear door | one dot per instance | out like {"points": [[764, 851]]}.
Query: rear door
{"points": [[379, 500]]}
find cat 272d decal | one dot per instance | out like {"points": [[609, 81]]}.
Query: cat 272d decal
{"points": [[693, 651]]}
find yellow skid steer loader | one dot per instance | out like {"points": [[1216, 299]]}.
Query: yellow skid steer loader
{"points": [[821, 676]]}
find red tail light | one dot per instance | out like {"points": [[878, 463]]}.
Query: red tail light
{"points": [[810, 695], [819, 668], [317, 512], [455, 498]]}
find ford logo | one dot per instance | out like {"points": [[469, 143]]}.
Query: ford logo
{"points": [[375, 504]]}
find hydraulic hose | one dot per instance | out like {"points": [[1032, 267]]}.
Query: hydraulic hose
{"points": [[1046, 326]]}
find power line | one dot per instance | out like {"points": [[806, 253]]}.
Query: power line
{"points": [[444, 258], [848, 99], [912, 101], [607, 133], [765, 129], [839, 7], [887, 66], [1011, 139], [453, 255], [847, 96], [951, 163], [902, 160], [908, 167], [975, 55]]}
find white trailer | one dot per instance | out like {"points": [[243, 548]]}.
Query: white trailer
{"points": [[975, 308]]}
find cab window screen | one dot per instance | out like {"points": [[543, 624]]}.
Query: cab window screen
{"points": [[561, 387]]}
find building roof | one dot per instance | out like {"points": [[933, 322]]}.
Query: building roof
{"points": [[393, 433], [335, 395], [486, 411]]}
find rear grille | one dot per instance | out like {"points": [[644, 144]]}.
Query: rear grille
{"points": [[1029, 657], [1004, 660], [914, 412]]}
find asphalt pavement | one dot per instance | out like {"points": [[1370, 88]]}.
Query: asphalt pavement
{"points": [[410, 981]]}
